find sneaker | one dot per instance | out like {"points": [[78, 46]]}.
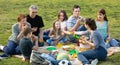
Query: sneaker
{"points": [[94, 62], [1, 47], [3, 56]]}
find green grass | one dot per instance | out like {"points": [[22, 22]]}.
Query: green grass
{"points": [[9, 10]]}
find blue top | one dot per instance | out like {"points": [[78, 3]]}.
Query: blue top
{"points": [[102, 28], [72, 21], [96, 38]]}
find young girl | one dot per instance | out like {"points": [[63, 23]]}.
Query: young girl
{"points": [[26, 45], [103, 27], [56, 35], [99, 51], [62, 18]]}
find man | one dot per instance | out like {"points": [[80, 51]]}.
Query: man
{"points": [[36, 23], [73, 23]]}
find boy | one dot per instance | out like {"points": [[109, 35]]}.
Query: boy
{"points": [[26, 44]]}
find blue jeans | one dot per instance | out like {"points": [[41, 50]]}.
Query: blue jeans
{"points": [[40, 44], [50, 41], [11, 48], [81, 28], [46, 35], [98, 53], [111, 43]]}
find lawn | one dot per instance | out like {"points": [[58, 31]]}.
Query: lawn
{"points": [[9, 10]]}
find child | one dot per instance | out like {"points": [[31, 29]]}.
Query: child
{"points": [[62, 18], [56, 35], [26, 45], [103, 28]]}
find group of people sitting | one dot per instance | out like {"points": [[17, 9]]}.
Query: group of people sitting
{"points": [[27, 35]]}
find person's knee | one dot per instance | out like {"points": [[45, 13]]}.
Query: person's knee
{"points": [[79, 55], [48, 42], [41, 44], [9, 51]]}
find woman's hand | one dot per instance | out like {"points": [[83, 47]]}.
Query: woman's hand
{"points": [[108, 39]]}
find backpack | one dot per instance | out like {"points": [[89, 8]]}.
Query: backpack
{"points": [[36, 59]]}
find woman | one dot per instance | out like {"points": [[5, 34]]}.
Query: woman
{"points": [[12, 47], [99, 52], [103, 27]]}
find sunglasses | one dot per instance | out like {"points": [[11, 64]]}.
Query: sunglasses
{"points": [[34, 12]]}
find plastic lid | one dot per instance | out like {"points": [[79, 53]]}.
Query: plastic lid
{"points": [[50, 48], [71, 52]]}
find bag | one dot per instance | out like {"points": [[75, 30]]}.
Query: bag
{"points": [[36, 59]]}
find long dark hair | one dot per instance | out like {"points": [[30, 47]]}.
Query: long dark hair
{"points": [[91, 23], [104, 13], [64, 13]]}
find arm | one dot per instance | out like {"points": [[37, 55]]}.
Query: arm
{"points": [[20, 35], [36, 43], [41, 33], [51, 33], [95, 40], [108, 32], [77, 24], [81, 32], [62, 35]]}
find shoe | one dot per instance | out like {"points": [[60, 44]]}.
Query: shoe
{"points": [[3, 56], [1, 47], [94, 62]]}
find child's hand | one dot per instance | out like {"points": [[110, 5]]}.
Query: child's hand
{"points": [[35, 48], [52, 36], [34, 29], [34, 37], [55, 42], [40, 40]]}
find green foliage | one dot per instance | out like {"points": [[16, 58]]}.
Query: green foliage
{"points": [[9, 10]]}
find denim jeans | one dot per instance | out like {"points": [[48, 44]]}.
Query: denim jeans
{"points": [[46, 35], [50, 58], [11, 48], [98, 53], [111, 43], [50, 41], [81, 28]]}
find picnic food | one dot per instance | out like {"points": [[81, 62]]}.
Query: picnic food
{"points": [[61, 56], [40, 40]]}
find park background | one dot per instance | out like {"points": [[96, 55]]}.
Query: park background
{"points": [[48, 9]]}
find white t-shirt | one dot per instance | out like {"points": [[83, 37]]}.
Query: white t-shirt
{"points": [[63, 24]]}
